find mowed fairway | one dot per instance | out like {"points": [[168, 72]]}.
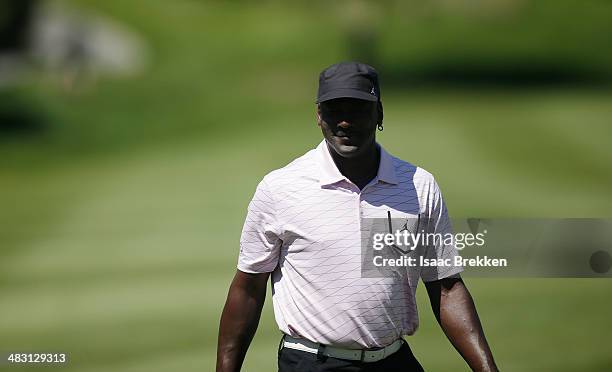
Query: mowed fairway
{"points": [[123, 261]]}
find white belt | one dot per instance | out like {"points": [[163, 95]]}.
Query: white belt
{"points": [[364, 355]]}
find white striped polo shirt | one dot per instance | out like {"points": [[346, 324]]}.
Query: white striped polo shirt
{"points": [[304, 225]]}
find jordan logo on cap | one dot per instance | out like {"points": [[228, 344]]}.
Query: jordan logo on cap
{"points": [[372, 91]]}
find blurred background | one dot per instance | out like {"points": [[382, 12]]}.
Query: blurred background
{"points": [[133, 134]]}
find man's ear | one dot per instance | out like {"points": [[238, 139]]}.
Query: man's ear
{"points": [[319, 115], [380, 113]]}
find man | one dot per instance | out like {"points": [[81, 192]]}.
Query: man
{"points": [[304, 226]]}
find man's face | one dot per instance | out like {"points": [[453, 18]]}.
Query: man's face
{"points": [[348, 124]]}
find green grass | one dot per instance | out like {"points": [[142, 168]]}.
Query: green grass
{"points": [[119, 227], [124, 261]]}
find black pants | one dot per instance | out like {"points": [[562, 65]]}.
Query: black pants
{"points": [[290, 360]]}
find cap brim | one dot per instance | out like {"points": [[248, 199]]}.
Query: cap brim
{"points": [[346, 93]]}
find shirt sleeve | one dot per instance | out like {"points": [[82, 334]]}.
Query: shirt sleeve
{"points": [[439, 223], [260, 242]]}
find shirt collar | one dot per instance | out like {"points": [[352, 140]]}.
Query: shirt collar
{"points": [[329, 173]]}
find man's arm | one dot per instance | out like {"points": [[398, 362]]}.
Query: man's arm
{"points": [[454, 309], [239, 319]]}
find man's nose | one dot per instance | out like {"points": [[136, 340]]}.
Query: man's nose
{"points": [[344, 124]]}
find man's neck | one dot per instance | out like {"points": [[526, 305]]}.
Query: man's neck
{"points": [[361, 169]]}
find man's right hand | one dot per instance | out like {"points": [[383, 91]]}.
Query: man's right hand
{"points": [[240, 318]]}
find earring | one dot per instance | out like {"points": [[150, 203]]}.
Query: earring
{"points": [[380, 127]]}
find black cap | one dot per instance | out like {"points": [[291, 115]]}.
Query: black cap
{"points": [[349, 79]]}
